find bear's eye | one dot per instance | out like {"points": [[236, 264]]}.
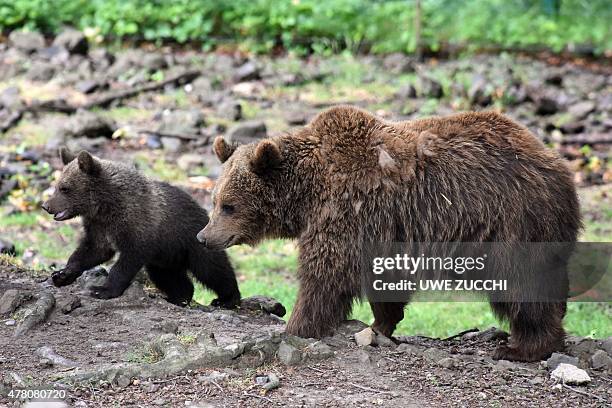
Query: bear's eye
{"points": [[64, 189], [227, 209]]}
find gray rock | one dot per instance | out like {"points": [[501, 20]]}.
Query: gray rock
{"points": [[92, 277], [101, 59], [582, 109], [295, 118], [10, 322], [27, 42], [231, 110], [434, 354], [189, 161], [558, 358], [569, 374], [171, 144], [267, 304], [492, 333], [169, 327], [89, 124], [11, 97], [582, 348], [182, 122], [6, 186], [288, 354], [318, 351], [366, 337], [504, 365], [384, 341], [479, 94], [430, 88], [85, 143], [69, 304], [88, 86], [153, 142], [154, 62], [607, 345], [7, 247], [399, 63], [55, 359], [41, 71], [410, 349], [11, 299], [407, 91], [448, 362], [73, 41], [350, 327], [247, 72], [247, 132], [601, 359]]}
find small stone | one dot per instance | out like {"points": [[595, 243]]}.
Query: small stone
{"points": [[406, 92], [25, 41], [296, 118], [170, 327], [171, 144], [288, 354], [492, 333], [231, 110], [11, 97], [124, 381], [153, 142], [154, 62], [601, 359], [558, 358], [318, 351], [384, 341], [582, 109], [366, 337], [430, 89], [264, 303], [272, 383], [88, 86], [6, 247], [607, 345], [182, 122], [10, 322], [363, 357], [42, 72], [447, 362], [247, 72], [189, 161], [247, 132], [569, 374], [536, 381], [73, 41], [70, 304], [546, 106], [10, 301], [504, 365], [159, 402], [434, 355], [409, 349], [89, 124]]}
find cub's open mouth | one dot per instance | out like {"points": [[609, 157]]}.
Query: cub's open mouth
{"points": [[61, 216]]}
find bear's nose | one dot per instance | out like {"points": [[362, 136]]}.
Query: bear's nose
{"points": [[45, 207], [201, 238]]}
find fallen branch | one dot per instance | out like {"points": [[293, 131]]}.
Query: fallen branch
{"points": [[586, 394], [461, 334], [182, 136]]}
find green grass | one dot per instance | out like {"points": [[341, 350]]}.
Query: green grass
{"points": [[270, 268]]}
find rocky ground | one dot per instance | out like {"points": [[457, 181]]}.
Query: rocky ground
{"points": [[139, 350], [160, 109]]}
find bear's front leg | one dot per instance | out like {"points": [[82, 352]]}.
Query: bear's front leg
{"points": [[319, 310], [120, 276], [87, 255]]}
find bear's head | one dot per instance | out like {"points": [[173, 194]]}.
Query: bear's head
{"points": [[73, 192], [246, 198]]}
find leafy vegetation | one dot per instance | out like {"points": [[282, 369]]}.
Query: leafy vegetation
{"points": [[311, 25]]}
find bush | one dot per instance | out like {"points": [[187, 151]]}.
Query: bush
{"points": [[382, 26]]}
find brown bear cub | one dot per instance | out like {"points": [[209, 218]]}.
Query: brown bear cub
{"points": [[349, 178], [151, 224]]}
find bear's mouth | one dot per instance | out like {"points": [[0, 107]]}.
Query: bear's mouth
{"points": [[233, 240], [62, 216]]}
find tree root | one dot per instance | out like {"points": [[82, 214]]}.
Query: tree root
{"points": [[38, 314]]}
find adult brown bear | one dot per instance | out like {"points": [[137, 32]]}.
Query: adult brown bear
{"points": [[349, 178]]}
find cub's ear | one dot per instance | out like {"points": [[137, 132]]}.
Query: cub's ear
{"points": [[267, 156], [222, 149], [66, 155], [88, 164]]}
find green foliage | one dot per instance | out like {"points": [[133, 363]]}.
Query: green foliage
{"points": [[323, 26]]}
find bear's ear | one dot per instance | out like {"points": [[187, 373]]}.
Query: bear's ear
{"points": [[267, 156], [88, 164], [222, 149], [66, 155]]}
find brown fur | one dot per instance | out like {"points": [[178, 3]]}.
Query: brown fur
{"points": [[349, 177]]}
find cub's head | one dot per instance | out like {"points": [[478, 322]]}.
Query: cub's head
{"points": [[73, 192], [246, 206]]}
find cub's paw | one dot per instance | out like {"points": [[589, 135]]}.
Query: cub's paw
{"points": [[104, 292], [226, 304], [63, 277], [511, 354]]}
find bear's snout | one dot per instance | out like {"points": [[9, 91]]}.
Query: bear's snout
{"points": [[45, 206]]}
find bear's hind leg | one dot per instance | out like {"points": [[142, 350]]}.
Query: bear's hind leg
{"points": [[175, 283], [536, 330], [386, 316]]}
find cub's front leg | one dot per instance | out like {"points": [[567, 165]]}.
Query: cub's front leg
{"points": [[121, 275], [88, 254]]}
